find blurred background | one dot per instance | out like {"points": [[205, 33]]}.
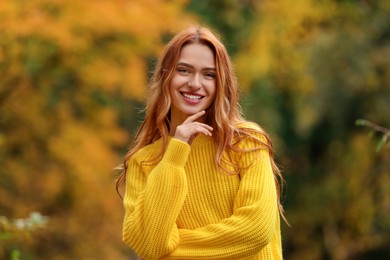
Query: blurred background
{"points": [[73, 77]]}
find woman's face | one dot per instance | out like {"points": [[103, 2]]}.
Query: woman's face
{"points": [[193, 86]]}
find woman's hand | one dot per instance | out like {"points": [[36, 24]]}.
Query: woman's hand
{"points": [[189, 129]]}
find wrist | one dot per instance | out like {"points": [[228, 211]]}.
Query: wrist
{"points": [[177, 152]]}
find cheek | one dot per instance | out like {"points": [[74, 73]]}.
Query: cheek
{"points": [[212, 89], [177, 81], [173, 85]]}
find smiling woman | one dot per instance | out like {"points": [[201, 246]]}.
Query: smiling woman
{"points": [[193, 85], [200, 179]]}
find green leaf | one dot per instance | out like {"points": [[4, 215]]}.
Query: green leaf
{"points": [[361, 122], [15, 254], [381, 142], [371, 133]]}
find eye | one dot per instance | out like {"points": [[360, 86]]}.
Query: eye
{"points": [[209, 75], [183, 71]]}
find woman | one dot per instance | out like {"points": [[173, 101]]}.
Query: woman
{"points": [[200, 180]]}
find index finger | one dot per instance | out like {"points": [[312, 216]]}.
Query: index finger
{"points": [[194, 116]]}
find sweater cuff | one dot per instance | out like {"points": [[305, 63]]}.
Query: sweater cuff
{"points": [[177, 153]]}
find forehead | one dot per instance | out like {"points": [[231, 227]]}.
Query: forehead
{"points": [[197, 55]]}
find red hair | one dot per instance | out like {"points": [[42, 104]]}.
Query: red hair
{"points": [[224, 115]]}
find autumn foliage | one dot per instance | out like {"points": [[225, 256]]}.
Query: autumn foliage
{"points": [[73, 75], [65, 68]]}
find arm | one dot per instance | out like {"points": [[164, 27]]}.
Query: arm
{"points": [[252, 224], [152, 204]]}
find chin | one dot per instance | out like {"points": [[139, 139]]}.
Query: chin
{"points": [[192, 112]]}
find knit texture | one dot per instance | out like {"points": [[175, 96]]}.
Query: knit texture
{"points": [[184, 208]]}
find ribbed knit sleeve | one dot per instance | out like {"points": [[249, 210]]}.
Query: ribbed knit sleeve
{"points": [[252, 225], [152, 203]]}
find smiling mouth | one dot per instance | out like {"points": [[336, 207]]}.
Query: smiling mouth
{"points": [[191, 96]]}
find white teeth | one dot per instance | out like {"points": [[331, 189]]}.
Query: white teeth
{"points": [[192, 96]]}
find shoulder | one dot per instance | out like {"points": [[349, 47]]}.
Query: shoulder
{"points": [[247, 131], [251, 144], [148, 152], [247, 125]]}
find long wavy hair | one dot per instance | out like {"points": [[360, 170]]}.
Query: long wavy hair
{"points": [[224, 114]]}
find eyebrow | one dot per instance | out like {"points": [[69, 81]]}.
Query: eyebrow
{"points": [[190, 66]]}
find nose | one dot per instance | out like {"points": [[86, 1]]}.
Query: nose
{"points": [[195, 83]]}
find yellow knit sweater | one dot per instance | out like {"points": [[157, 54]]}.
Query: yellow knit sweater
{"points": [[184, 208]]}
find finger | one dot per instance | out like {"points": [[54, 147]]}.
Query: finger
{"points": [[206, 132], [194, 116], [199, 127], [204, 129], [184, 131], [209, 128]]}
